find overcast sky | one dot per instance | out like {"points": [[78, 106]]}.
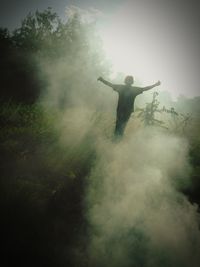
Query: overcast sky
{"points": [[165, 34]]}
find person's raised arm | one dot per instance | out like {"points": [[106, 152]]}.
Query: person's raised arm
{"points": [[105, 82], [151, 86]]}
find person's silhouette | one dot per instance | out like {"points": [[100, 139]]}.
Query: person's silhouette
{"points": [[127, 94]]}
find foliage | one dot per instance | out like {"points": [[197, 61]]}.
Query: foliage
{"points": [[147, 114], [36, 29], [44, 39], [42, 186], [178, 121]]}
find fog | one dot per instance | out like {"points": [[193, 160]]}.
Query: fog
{"points": [[77, 196], [155, 40], [136, 213]]}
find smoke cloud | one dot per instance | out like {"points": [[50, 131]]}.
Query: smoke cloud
{"points": [[137, 215], [135, 210]]}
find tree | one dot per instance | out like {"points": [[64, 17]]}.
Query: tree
{"points": [[39, 47]]}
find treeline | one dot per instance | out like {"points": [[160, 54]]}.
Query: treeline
{"points": [[44, 37], [43, 179]]}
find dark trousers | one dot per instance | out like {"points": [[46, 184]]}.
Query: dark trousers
{"points": [[121, 122]]}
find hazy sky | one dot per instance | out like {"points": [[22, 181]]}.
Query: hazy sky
{"points": [[151, 39], [12, 11]]}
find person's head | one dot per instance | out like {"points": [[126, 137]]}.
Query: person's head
{"points": [[129, 80]]}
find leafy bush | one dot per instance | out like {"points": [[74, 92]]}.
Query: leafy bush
{"points": [[41, 188]]}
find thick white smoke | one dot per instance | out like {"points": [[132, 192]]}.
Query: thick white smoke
{"points": [[137, 215]]}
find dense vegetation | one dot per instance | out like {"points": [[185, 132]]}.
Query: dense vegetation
{"points": [[43, 180], [42, 186]]}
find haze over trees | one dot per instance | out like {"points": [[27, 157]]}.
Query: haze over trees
{"points": [[43, 37], [53, 119]]}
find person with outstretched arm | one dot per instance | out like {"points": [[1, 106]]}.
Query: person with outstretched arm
{"points": [[127, 94]]}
